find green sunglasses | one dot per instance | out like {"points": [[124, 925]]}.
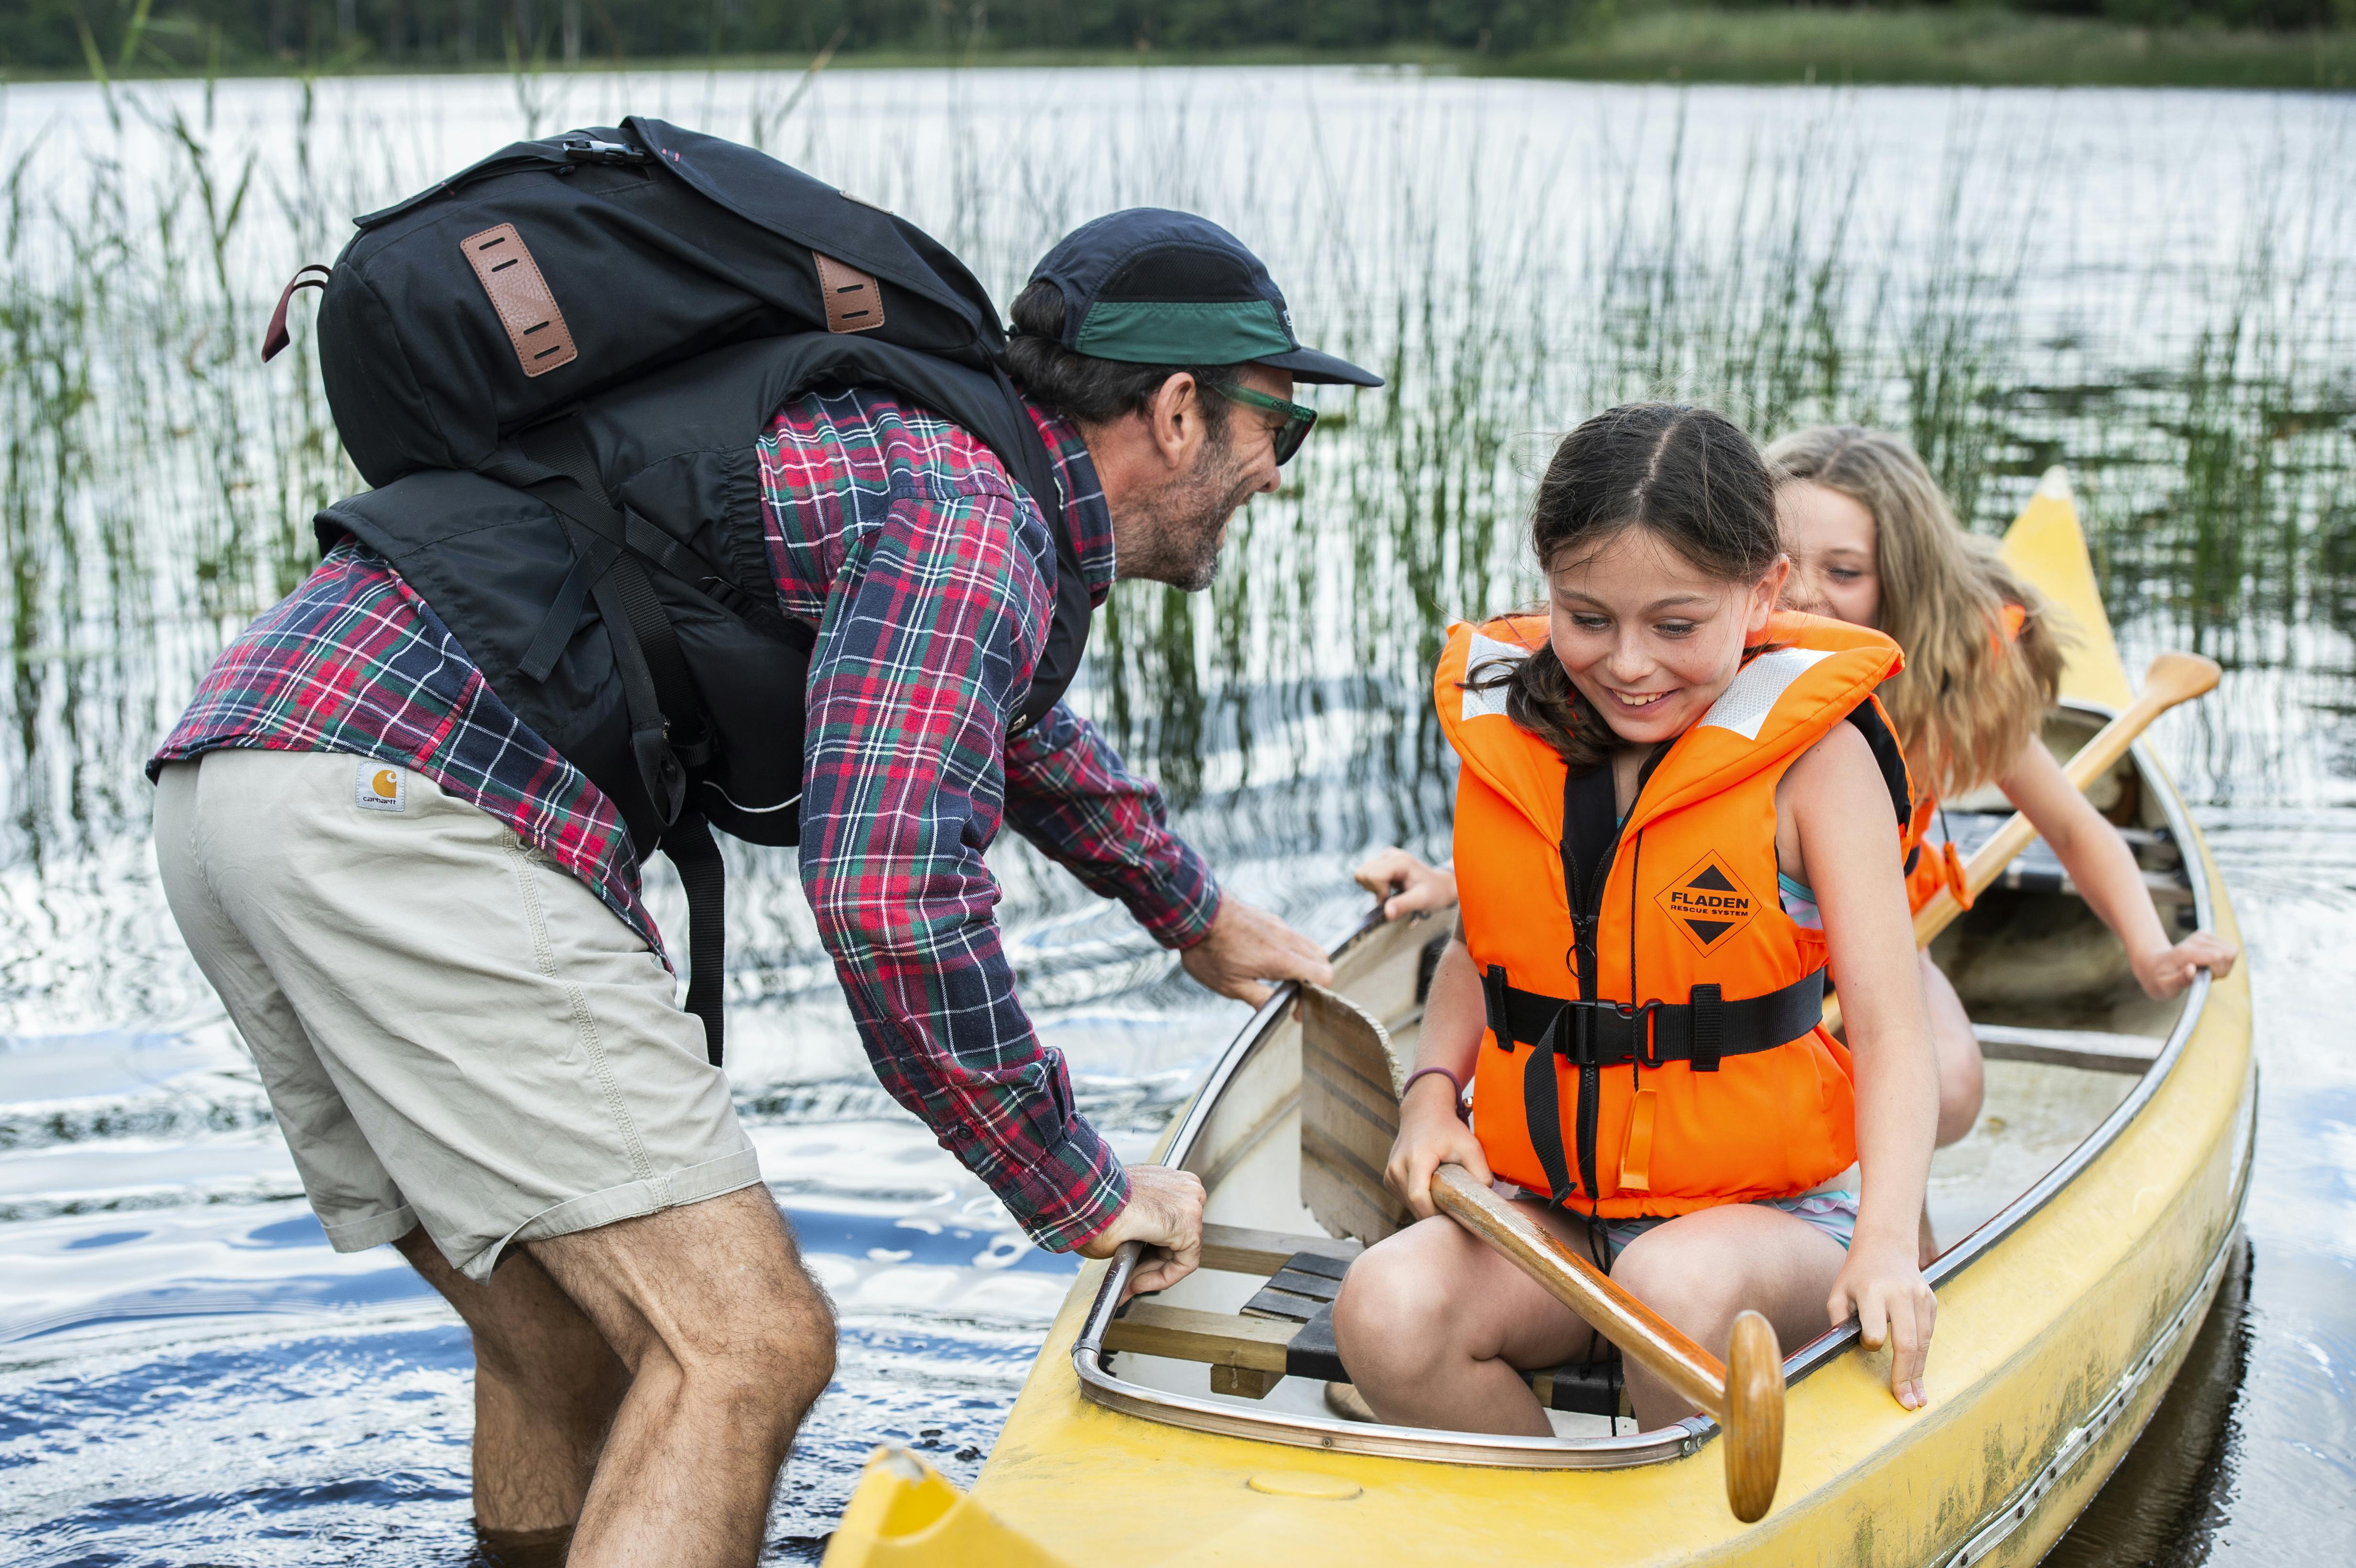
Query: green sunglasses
{"points": [[1297, 417]]}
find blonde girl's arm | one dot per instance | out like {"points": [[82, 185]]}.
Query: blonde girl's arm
{"points": [[1405, 883], [2104, 871], [1834, 797], [1431, 1134]]}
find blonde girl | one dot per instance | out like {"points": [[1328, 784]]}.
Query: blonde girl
{"points": [[1874, 542]]}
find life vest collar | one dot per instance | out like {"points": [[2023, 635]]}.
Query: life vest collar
{"points": [[1813, 672]]}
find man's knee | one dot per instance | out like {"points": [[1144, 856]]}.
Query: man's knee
{"points": [[713, 1295]]}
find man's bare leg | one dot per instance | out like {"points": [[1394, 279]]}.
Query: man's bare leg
{"points": [[728, 1342], [546, 1387]]}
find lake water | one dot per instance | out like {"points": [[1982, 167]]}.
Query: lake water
{"points": [[2157, 289]]}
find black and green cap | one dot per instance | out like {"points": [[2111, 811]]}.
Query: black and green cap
{"points": [[1150, 286]]}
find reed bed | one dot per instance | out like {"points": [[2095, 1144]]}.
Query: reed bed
{"points": [[1506, 280]]}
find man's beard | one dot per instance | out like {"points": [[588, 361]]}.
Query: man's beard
{"points": [[1183, 527]]}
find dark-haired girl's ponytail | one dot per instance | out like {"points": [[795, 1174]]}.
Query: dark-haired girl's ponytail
{"points": [[1540, 698]]}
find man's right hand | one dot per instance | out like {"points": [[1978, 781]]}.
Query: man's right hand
{"points": [[1164, 1211]]}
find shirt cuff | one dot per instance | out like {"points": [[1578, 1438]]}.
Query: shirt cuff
{"points": [[1179, 919], [1093, 1191]]}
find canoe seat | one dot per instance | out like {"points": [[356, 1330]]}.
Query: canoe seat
{"points": [[1286, 1330]]}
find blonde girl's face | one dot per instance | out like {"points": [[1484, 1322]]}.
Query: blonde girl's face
{"points": [[1650, 638], [1831, 540]]}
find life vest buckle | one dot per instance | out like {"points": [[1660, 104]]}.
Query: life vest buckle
{"points": [[1643, 1045]]}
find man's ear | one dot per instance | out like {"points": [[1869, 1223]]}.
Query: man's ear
{"points": [[1174, 420]]}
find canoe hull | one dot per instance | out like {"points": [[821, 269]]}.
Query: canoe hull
{"points": [[2054, 1346]]}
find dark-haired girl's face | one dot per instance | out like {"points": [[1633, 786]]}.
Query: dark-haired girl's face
{"points": [[1647, 637]]}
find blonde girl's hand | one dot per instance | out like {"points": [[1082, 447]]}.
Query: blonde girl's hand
{"points": [[1894, 1307], [1430, 1135], [2165, 972], [1404, 884]]}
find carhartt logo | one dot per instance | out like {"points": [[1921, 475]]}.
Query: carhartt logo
{"points": [[376, 788], [1707, 904]]}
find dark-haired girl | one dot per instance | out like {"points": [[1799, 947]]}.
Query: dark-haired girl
{"points": [[1677, 806]]}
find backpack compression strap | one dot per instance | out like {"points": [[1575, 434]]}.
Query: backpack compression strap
{"points": [[669, 732]]}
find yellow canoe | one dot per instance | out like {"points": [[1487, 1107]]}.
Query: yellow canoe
{"points": [[2094, 1210]]}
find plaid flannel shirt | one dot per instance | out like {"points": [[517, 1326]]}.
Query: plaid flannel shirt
{"points": [[923, 566]]}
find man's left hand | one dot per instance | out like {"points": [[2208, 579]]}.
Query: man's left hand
{"points": [[1247, 947]]}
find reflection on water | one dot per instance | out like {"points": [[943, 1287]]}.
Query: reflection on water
{"points": [[2157, 289]]}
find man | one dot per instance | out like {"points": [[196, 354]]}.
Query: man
{"points": [[427, 923]]}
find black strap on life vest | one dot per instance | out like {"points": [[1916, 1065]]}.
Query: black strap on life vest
{"points": [[1699, 1031], [668, 730], [1591, 842]]}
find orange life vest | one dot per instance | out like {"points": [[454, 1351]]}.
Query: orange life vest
{"points": [[1658, 1050], [1929, 872]]}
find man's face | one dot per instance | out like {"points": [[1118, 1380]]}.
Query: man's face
{"points": [[1178, 528]]}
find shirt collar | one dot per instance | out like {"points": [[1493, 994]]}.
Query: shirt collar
{"points": [[1085, 512]]}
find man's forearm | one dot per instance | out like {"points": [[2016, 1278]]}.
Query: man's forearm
{"points": [[1068, 793]]}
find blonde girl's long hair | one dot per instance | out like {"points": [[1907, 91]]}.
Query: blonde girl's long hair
{"points": [[1970, 698]]}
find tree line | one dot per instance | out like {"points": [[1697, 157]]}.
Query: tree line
{"points": [[151, 35]]}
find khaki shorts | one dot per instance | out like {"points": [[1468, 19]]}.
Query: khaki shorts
{"points": [[454, 1031]]}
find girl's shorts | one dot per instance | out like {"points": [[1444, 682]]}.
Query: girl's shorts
{"points": [[1834, 1213]]}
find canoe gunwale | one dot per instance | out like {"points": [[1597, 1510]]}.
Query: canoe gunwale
{"points": [[1333, 1435], [1994, 1229]]}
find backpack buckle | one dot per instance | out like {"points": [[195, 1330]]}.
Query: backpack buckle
{"points": [[588, 149]]}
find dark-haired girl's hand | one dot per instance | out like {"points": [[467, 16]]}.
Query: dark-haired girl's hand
{"points": [[1883, 1285], [1431, 1134]]}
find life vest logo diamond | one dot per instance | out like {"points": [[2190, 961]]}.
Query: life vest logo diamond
{"points": [[1708, 903]]}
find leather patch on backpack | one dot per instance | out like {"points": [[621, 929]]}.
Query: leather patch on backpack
{"points": [[520, 295], [853, 300]]}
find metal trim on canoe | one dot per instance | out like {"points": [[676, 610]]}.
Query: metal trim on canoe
{"points": [[1337, 1436]]}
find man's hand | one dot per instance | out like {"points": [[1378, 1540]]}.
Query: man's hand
{"points": [[1246, 946], [1164, 1211]]}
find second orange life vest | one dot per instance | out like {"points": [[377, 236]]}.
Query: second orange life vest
{"points": [[1929, 869], [1653, 1043]]}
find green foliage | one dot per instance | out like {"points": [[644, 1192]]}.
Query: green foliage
{"points": [[46, 34], [125, 37]]}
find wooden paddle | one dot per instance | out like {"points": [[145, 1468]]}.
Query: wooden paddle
{"points": [[2173, 678], [1748, 1403]]}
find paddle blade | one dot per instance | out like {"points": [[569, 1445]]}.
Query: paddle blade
{"points": [[2182, 677], [1754, 1417]]}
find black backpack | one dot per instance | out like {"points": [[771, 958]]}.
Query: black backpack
{"points": [[555, 366]]}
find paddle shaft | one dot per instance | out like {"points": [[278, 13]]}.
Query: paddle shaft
{"points": [[1642, 1334], [1747, 1405], [2173, 678]]}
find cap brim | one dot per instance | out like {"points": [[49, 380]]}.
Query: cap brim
{"points": [[1308, 365]]}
